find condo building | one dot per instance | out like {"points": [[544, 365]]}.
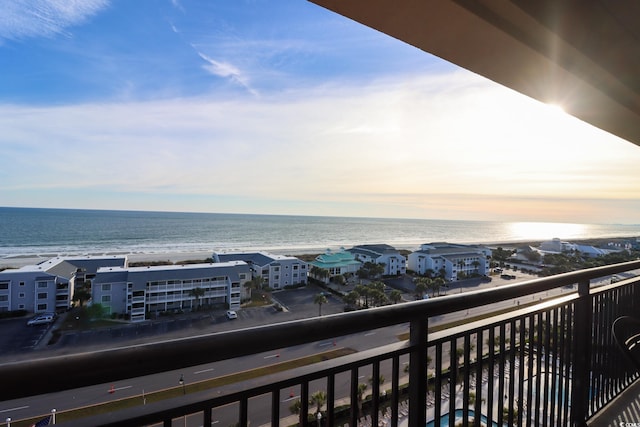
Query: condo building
{"points": [[49, 286], [142, 292], [277, 271], [450, 260]]}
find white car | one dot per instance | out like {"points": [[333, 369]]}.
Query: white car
{"points": [[41, 319], [232, 315]]}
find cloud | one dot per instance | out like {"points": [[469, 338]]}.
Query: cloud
{"points": [[226, 70], [44, 18], [395, 148]]}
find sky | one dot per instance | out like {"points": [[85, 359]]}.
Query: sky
{"points": [[256, 106]]}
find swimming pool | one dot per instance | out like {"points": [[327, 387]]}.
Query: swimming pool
{"points": [[444, 419]]}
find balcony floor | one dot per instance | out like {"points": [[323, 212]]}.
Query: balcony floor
{"points": [[624, 410]]}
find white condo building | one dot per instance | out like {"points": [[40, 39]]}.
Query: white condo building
{"points": [[450, 259], [277, 271], [49, 286], [394, 263], [140, 291]]}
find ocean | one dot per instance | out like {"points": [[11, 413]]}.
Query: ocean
{"points": [[50, 232]]}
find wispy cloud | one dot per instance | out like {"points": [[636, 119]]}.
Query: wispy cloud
{"points": [[227, 70], [323, 144], [44, 18]]}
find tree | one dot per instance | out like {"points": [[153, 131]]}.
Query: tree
{"points": [[438, 283], [320, 299], [351, 298], [370, 270], [380, 380], [96, 311], [197, 293], [319, 398], [363, 291], [319, 273], [81, 295], [339, 279], [295, 408], [476, 265], [378, 297], [395, 296], [422, 284], [362, 388]]}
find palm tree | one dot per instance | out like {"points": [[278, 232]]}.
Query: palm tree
{"points": [[319, 398], [81, 295], [362, 387], [363, 291], [422, 284], [438, 283], [476, 265], [395, 296], [380, 380], [320, 299], [295, 408], [196, 293]]}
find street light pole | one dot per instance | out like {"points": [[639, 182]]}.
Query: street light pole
{"points": [[53, 416], [181, 382]]}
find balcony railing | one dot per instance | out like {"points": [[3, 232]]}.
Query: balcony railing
{"points": [[548, 360]]}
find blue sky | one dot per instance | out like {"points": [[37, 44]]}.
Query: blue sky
{"points": [[279, 108]]}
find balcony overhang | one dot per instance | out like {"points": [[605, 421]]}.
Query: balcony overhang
{"points": [[583, 56]]}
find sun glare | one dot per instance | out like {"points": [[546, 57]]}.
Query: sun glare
{"points": [[521, 231], [556, 109]]}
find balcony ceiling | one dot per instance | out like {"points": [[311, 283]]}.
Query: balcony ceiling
{"points": [[581, 55]]}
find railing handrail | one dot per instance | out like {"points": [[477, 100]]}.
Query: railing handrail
{"points": [[69, 371]]}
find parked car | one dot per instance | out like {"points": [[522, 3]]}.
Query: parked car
{"points": [[41, 319], [232, 315]]}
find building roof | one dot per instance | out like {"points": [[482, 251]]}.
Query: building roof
{"points": [[66, 267], [258, 258], [332, 259], [167, 272], [373, 250]]}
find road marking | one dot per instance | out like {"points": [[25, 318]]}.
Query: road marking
{"points": [[290, 399], [271, 356], [13, 409], [368, 334], [203, 371], [123, 388], [324, 344]]}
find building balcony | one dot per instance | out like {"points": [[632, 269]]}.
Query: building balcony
{"points": [[539, 352]]}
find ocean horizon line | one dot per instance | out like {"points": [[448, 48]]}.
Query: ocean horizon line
{"points": [[292, 215]]}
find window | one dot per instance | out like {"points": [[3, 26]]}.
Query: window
{"points": [[42, 295], [106, 298], [42, 284], [21, 306], [21, 295], [4, 298], [243, 276], [106, 287], [4, 286], [41, 307], [21, 283]]}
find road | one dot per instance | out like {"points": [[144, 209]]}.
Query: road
{"points": [[297, 302]]}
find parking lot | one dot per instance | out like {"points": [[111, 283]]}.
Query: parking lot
{"points": [[16, 337]]}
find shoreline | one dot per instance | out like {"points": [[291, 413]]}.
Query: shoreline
{"points": [[22, 260]]}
